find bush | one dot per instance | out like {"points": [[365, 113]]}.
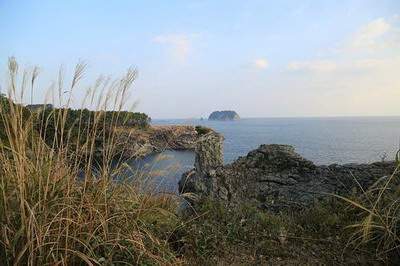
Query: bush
{"points": [[202, 130]]}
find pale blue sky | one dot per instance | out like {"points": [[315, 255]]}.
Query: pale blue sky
{"points": [[260, 58]]}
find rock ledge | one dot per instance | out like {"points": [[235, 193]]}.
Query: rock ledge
{"points": [[274, 176]]}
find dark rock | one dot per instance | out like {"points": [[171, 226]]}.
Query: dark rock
{"points": [[274, 176], [209, 157], [143, 142]]}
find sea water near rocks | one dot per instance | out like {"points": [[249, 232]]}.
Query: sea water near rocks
{"points": [[321, 140]]}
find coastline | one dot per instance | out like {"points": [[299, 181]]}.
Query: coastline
{"points": [[155, 139]]}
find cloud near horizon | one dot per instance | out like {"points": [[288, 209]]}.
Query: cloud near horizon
{"points": [[361, 75], [262, 58], [367, 48], [312, 65], [261, 63], [372, 36], [179, 45]]}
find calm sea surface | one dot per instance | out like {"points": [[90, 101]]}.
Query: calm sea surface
{"points": [[322, 140]]}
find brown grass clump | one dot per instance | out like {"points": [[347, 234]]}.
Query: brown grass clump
{"points": [[59, 205], [378, 223]]}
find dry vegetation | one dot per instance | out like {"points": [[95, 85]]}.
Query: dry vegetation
{"points": [[378, 223], [61, 206]]}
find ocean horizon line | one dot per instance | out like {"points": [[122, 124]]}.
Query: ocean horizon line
{"points": [[278, 117]]}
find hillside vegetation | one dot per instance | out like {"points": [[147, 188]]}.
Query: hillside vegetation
{"points": [[57, 207], [61, 206]]}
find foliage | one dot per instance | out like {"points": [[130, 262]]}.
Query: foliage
{"points": [[56, 210], [78, 123], [202, 130], [245, 234], [6, 107]]}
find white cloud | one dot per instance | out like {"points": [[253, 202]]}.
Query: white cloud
{"points": [[358, 77], [261, 63], [370, 63], [314, 65], [371, 35], [378, 35], [371, 47], [180, 45], [340, 66]]}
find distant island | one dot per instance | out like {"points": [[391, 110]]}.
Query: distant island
{"points": [[224, 116]]}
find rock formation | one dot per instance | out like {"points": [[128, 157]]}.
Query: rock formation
{"points": [[274, 176], [209, 157], [156, 139], [223, 116]]}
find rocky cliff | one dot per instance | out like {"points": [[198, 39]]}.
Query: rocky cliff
{"points": [[274, 176], [143, 142]]}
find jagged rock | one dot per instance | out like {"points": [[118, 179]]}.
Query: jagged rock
{"points": [[209, 156], [143, 142], [274, 177]]}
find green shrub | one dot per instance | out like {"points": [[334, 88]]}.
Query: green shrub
{"points": [[202, 130]]}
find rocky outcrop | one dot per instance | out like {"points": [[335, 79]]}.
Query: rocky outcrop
{"points": [[209, 157], [143, 142], [223, 116], [275, 177]]}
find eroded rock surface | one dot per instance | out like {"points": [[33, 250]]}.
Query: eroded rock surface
{"points": [[209, 157], [274, 176], [143, 142]]}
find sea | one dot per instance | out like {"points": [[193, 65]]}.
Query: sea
{"points": [[323, 140]]}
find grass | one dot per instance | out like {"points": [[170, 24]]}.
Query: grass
{"points": [[246, 235], [60, 207], [60, 203], [378, 223]]}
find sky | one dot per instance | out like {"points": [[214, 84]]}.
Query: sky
{"points": [[259, 58]]}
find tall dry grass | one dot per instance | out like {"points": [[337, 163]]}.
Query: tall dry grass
{"points": [[59, 205], [378, 223]]}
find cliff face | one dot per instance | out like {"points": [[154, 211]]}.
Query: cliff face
{"points": [[223, 115], [156, 139], [209, 157], [275, 177]]}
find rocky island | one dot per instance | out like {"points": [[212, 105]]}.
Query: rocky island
{"points": [[224, 116]]}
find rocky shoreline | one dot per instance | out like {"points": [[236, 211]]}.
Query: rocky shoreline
{"points": [[274, 176], [143, 142]]}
